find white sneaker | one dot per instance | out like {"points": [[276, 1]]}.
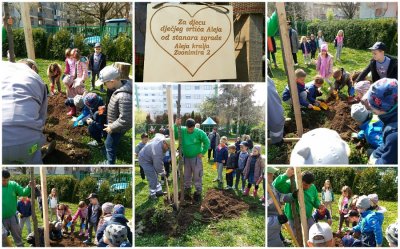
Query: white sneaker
{"points": [[93, 143]]}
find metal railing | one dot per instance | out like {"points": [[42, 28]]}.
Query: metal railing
{"points": [[89, 31]]}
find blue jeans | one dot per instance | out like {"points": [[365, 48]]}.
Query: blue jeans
{"points": [[96, 128], [111, 143]]}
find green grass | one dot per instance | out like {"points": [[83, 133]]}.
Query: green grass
{"points": [[73, 207], [352, 60], [390, 216], [124, 151], [247, 230]]}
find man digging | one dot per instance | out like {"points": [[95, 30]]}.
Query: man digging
{"points": [[195, 144]]}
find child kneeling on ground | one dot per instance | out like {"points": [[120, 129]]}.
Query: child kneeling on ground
{"points": [[313, 90], [342, 78]]}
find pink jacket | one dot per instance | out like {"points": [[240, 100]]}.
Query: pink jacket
{"points": [[62, 214], [329, 66], [80, 213]]}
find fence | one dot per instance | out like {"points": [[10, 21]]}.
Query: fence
{"points": [[89, 31]]}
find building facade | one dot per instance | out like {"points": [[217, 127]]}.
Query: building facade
{"points": [[152, 98]]}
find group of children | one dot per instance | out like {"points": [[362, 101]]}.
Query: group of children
{"points": [[108, 221], [363, 212]]}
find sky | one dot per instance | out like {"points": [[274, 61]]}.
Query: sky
{"points": [[260, 95]]}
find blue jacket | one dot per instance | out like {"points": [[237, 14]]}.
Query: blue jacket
{"points": [[90, 111], [370, 224], [386, 153], [304, 46], [221, 154], [313, 45], [24, 209], [312, 92], [118, 219], [300, 88], [371, 130]]}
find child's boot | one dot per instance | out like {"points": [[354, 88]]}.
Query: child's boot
{"points": [[52, 90], [255, 193], [246, 191]]}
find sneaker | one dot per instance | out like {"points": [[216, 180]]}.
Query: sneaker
{"points": [[296, 64], [88, 241], [160, 193], [93, 143]]}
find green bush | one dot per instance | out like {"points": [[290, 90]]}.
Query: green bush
{"points": [[61, 41], [104, 191], [257, 133], [86, 186], [108, 47], [388, 187], [128, 196], [49, 45], [339, 177], [39, 41], [79, 44], [19, 43], [367, 182], [123, 46], [360, 34]]}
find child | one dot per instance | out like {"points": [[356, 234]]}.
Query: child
{"points": [[231, 166], [64, 215], [145, 138], [300, 79], [53, 203], [327, 195], [320, 40], [242, 160], [167, 165], [369, 226], [82, 214], [313, 90], [24, 209], [94, 214], [382, 97], [97, 62], [253, 172], [237, 144], [116, 236], [221, 158], [379, 210], [91, 104], [344, 206], [392, 234], [54, 234], [361, 88], [306, 49], [322, 213], [54, 74], [339, 40], [69, 64], [325, 64], [342, 78], [107, 212], [313, 45], [370, 125]]}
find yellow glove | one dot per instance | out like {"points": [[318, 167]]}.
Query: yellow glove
{"points": [[316, 108]]}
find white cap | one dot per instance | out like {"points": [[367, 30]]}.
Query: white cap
{"points": [[373, 198], [359, 112], [320, 146], [319, 233], [108, 73]]}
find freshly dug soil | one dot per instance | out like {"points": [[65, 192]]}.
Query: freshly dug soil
{"points": [[216, 205], [338, 239], [70, 241], [341, 120], [69, 149]]}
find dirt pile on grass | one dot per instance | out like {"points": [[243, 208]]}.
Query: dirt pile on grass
{"points": [[69, 148], [341, 120], [70, 241], [216, 205]]}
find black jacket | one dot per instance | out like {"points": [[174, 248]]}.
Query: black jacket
{"points": [[103, 61], [90, 214], [391, 73]]}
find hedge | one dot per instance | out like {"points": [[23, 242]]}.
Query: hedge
{"points": [[366, 181], [359, 34]]}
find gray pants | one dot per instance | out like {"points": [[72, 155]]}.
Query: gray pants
{"points": [[338, 51], [193, 173], [303, 96], [91, 226], [23, 154], [12, 225], [310, 222], [26, 220], [274, 230], [220, 170], [152, 178]]}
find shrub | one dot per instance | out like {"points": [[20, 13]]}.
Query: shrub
{"points": [[108, 47], [49, 45], [104, 191], [359, 34], [388, 185], [61, 41], [123, 46], [339, 177], [257, 133], [39, 41], [86, 186], [128, 196], [79, 44], [19, 43], [367, 182]]}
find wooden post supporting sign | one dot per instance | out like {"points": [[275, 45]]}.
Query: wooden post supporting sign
{"points": [[302, 207], [26, 20], [43, 182], [33, 201]]}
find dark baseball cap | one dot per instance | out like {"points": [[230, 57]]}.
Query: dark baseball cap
{"points": [[378, 46], [352, 213], [92, 195]]}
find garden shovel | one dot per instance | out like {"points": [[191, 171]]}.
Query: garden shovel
{"points": [[323, 105]]}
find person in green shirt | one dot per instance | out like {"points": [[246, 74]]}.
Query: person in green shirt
{"points": [[282, 185], [11, 190], [195, 144]]}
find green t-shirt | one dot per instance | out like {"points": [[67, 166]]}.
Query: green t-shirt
{"points": [[282, 185], [193, 143], [10, 193]]}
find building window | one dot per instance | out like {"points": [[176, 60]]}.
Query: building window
{"points": [[187, 105], [196, 87], [207, 87], [187, 96], [197, 96], [187, 87]]}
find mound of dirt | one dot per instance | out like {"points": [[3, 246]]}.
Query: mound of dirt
{"points": [[341, 120], [222, 204], [69, 149], [216, 205], [70, 241]]}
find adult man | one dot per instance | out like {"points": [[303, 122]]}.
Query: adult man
{"points": [[11, 190], [214, 140], [320, 235], [195, 145], [381, 65], [119, 109], [151, 159], [97, 62], [24, 112], [294, 42]]}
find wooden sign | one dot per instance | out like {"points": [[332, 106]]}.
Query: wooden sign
{"points": [[189, 43]]}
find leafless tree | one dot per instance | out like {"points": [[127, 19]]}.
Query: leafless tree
{"points": [[349, 9], [101, 10]]}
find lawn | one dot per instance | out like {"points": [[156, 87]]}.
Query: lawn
{"points": [[246, 230], [352, 60], [124, 151], [390, 216], [73, 206]]}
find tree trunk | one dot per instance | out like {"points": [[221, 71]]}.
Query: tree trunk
{"points": [[10, 36]]}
